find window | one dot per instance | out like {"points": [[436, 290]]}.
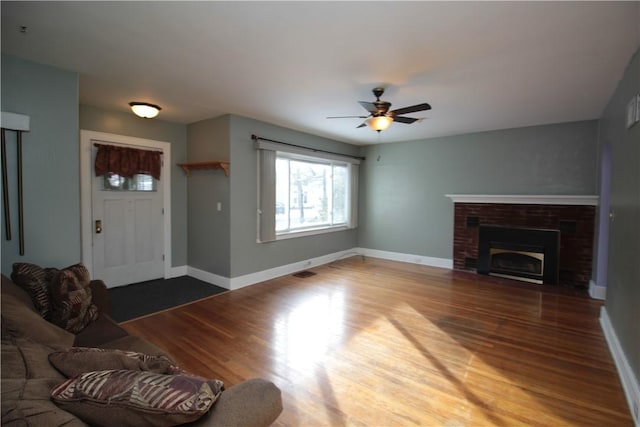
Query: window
{"points": [[139, 182], [310, 194], [302, 193]]}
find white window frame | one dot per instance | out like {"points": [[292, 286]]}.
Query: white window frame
{"points": [[267, 155]]}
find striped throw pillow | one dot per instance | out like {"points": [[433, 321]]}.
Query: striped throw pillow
{"points": [[72, 305], [125, 398], [35, 280]]}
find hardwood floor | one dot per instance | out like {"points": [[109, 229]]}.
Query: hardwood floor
{"points": [[369, 342]]}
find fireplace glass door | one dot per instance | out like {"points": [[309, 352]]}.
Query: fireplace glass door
{"points": [[515, 264]]}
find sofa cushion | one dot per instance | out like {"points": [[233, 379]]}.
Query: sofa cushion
{"points": [[136, 398], [104, 329], [72, 307], [35, 280], [35, 359], [27, 380], [35, 412], [21, 321], [10, 288], [78, 360], [255, 402]]}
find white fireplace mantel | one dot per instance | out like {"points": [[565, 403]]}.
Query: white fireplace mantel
{"points": [[518, 199]]}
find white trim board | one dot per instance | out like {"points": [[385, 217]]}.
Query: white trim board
{"points": [[205, 276], [410, 258], [179, 271], [283, 270], [14, 121], [272, 273], [597, 292], [86, 230], [534, 199], [261, 276], [629, 381]]}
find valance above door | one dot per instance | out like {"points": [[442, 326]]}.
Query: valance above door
{"points": [[126, 161]]}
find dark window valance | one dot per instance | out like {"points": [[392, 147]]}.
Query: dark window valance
{"points": [[126, 161]]}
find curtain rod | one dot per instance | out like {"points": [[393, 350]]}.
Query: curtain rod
{"points": [[258, 138], [122, 145]]}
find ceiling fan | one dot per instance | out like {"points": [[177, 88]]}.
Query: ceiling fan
{"points": [[380, 118]]}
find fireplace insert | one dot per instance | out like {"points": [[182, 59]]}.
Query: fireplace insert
{"points": [[516, 264], [527, 254]]}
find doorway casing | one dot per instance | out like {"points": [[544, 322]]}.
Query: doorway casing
{"points": [[86, 139]]}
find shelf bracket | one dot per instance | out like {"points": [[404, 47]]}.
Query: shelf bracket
{"points": [[211, 165]]}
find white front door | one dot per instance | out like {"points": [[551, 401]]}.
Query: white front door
{"points": [[127, 220]]}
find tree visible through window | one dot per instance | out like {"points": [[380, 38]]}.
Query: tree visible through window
{"points": [[310, 194], [303, 192]]}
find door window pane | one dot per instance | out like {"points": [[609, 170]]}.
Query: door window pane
{"points": [[139, 182]]}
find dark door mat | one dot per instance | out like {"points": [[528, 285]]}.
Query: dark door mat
{"points": [[141, 299]]}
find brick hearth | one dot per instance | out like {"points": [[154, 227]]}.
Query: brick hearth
{"points": [[575, 222]]}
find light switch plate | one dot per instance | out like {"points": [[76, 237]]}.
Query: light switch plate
{"points": [[638, 107]]}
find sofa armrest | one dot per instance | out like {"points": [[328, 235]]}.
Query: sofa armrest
{"points": [[252, 403], [100, 296]]}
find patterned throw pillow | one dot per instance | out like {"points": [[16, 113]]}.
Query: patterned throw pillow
{"points": [[35, 280], [71, 303], [78, 360], [126, 398]]}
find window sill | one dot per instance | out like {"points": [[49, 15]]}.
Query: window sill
{"points": [[311, 232]]}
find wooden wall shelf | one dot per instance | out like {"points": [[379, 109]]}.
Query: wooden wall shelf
{"points": [[188, 167]]}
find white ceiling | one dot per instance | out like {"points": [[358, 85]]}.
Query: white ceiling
{"points": [[481, 65]]}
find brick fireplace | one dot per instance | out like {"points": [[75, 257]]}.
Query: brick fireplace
{"points": [[572, 218]]}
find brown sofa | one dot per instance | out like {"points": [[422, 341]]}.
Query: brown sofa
{"points": [[28, 377]]}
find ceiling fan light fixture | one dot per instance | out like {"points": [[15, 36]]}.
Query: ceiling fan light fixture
{"points": [[379, 123], [144, 109]]}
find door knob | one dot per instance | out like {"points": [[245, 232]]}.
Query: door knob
{"points": [[98, 226], [612, 216]]}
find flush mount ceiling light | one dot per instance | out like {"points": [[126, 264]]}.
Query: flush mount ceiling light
{"points": [[144, 109], [379, 123]]}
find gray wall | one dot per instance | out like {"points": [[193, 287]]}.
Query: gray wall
{"points": [[50, 161], [209, 229], [247, 256], [403, 205], [623, 281], [121, 123]]}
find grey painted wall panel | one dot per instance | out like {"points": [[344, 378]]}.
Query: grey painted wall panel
{"points": [[247, 256], [99, 120], [403, 205], [209, 229], [623, 283], [50, 160]]}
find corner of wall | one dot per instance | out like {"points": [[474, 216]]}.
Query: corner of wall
{"points": [[597, 292]]}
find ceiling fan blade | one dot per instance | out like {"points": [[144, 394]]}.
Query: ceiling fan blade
{"points": [[412, 109], [369, 106], [407, 120], [347, 117], [362, 125]]}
